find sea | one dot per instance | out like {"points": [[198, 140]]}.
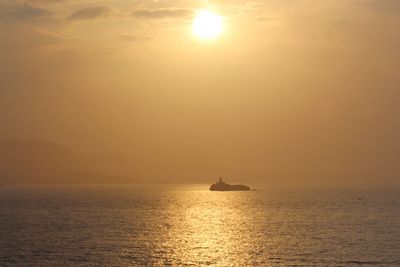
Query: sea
{"points": [[187, 225]]}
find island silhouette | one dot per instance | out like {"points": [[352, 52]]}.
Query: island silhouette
{"points": [[222, 186]]}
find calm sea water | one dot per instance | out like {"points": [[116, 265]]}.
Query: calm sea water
{"points": [[151, 226]]}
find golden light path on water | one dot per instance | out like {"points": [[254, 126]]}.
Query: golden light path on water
{"points": [[211, 228]]}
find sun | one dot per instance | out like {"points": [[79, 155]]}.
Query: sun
{"points": [[207, 25]]}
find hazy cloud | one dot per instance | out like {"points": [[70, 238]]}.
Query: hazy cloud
{"points": [[23, 12], [132, 38], [387, 6], [162, 13], [91, 13], [24, 37]]}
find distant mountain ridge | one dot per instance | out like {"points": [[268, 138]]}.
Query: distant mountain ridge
{"points": [[35, 161]]}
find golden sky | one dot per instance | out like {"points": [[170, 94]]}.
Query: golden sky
{"points": [[292, 90]]}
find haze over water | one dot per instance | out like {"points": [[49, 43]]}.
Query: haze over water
{"points": [[189, 225]]}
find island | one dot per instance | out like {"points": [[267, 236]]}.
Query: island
{"points": [[222, 186]]}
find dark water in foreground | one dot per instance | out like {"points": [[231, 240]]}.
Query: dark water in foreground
{"points": [[143, 225]]}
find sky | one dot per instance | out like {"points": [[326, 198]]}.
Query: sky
{"points": [[291, 92]]}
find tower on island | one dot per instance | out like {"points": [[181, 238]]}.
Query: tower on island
{"points": [[222, 186]]}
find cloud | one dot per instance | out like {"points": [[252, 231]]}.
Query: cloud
{"points": [[386, 6], [162, 13], [132, 38], [91, 13], [23, 12], [21, 37]]}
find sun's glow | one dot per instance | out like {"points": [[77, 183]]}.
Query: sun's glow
{"points": [[207, 25]]}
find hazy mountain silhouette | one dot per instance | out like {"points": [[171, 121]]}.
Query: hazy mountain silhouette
{"points": [[32, 161]]}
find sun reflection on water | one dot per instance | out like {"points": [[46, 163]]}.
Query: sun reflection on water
{"points": [[210, 230]]}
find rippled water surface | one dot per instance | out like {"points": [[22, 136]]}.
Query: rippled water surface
{"points": [[144, 225]]}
